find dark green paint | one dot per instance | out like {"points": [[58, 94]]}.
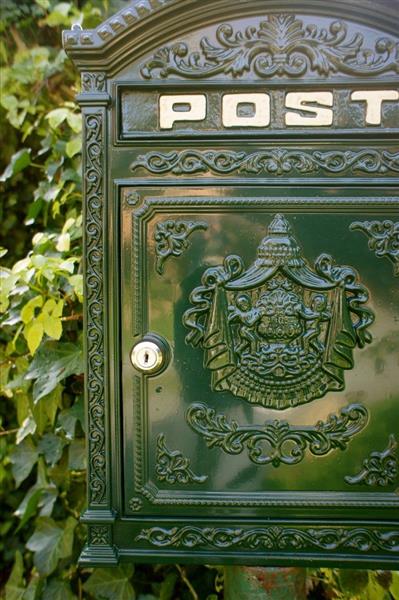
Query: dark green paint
{"points": [[185, 465]]}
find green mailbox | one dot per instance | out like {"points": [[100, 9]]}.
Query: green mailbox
{"points": [[241, 163]]}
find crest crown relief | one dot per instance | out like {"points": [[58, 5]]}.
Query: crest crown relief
{"points": [[280, 333]]}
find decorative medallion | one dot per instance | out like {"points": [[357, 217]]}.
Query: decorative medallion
{"points": [[383, 239], [135, 504], [359, 539], [99, 535], [381, 468], [276, 161], [173, 467], [279, 45], [171, 239], [276, 442], [280, 333]]}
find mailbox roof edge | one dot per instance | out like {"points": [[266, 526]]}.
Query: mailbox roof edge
{"points": [[125, 35]]}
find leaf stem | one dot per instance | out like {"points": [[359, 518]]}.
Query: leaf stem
{"points": [[9, 431], [74, 317], [187, 582]]}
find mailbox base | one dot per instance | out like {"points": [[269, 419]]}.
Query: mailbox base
{"points": [[101, 556]]}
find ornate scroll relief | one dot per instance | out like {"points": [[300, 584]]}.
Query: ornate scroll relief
{"points": [[94, 179], [280, 333], [383, 239], [276, 441], [381, 468], [171, 239], [357, 539], [93, 81], [173, 467], [277, 161], [280, 45]]}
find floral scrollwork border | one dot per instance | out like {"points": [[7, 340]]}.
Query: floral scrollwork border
{"points": [[380, 468], [328, 539], [286, 444], [383, 239], [280, 45], [171, 239], [173, 467], [274, 162], [94, 284]]}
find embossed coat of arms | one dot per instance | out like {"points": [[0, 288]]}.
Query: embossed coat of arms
{"points": [[280, 333]]}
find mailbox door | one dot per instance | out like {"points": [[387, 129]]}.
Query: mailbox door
{"points": [[242, 235], [278, 390]]}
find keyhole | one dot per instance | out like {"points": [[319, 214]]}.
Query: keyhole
{"points": [[147, 356]]}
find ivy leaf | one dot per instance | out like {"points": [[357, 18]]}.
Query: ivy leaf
{"points": [[64, 242], [43, 410], [73, 146], [8, 281], [52, 326], [394, 589], [15, 586], [29, 506], [168, 586], [75, 121], [58, 590], [34, 333], [59, 15], [41, 496], [51, 446], [375, 592], [76, 282], [77, 455], [66, 545], [28, 426], [354, 580], [50, 542], [57, 116], [23, 458], [28, 310], [69, 417], [53, 363], [34, 588], [19, 161], [109, 584]]}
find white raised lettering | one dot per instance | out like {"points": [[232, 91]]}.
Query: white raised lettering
{"points": [[300, 101], [374, 100], [260, 116], [182, 107]]}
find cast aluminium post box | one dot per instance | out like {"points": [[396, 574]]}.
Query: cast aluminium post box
{"points": [[241, 163]]}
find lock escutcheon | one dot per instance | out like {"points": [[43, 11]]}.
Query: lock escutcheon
{"points": [[150, 355]]}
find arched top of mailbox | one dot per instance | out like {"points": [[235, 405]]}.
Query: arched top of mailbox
{"points": [[144, 25]]}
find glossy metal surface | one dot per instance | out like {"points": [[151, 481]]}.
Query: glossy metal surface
{"points": [[262, 261]]}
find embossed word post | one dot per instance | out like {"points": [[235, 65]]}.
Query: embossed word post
{"points": [[241, 170]]}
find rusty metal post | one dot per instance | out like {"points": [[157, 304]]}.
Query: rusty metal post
{"points": [[260, 583]]}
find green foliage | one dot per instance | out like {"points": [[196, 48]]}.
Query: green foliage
{"points": [[42, 456]]}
